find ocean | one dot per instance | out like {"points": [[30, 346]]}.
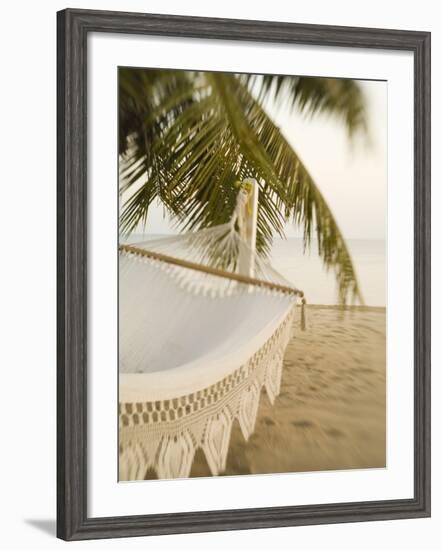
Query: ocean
{"points": [[307, 272]]}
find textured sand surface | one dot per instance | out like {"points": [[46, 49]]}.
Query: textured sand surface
{"points": [[330, 414]]}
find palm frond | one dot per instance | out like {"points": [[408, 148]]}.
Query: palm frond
{"points": [[192, 135], [338, 97], [288, 184]]}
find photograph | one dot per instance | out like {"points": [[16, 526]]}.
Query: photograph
{"points": [[252, 273]]}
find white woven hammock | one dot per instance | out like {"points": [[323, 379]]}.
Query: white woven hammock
{"points": [[204, 323]]}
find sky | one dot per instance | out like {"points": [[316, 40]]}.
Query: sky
{"points": [[350, 173]]}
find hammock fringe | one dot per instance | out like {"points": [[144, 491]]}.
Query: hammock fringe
{"points": [[165, 435]]}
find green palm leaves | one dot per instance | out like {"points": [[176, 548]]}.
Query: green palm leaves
{"points": [[186, 137]]}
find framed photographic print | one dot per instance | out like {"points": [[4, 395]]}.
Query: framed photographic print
{"points": [[243, 274]]}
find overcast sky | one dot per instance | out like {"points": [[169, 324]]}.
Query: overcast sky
{"points": [[352, 176]]}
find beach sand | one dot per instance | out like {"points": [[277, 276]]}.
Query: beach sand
{"points": [[330, 414]]}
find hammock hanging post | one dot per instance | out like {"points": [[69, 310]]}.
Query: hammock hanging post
{"points": [[248, 220]]}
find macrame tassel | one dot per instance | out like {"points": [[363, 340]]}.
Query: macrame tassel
{"points": [[303, 303]]}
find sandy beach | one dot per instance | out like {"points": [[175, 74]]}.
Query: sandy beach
{"points": [[330, 414]]}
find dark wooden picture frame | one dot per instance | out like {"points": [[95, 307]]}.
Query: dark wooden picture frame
{"points": [[73, 27]]}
